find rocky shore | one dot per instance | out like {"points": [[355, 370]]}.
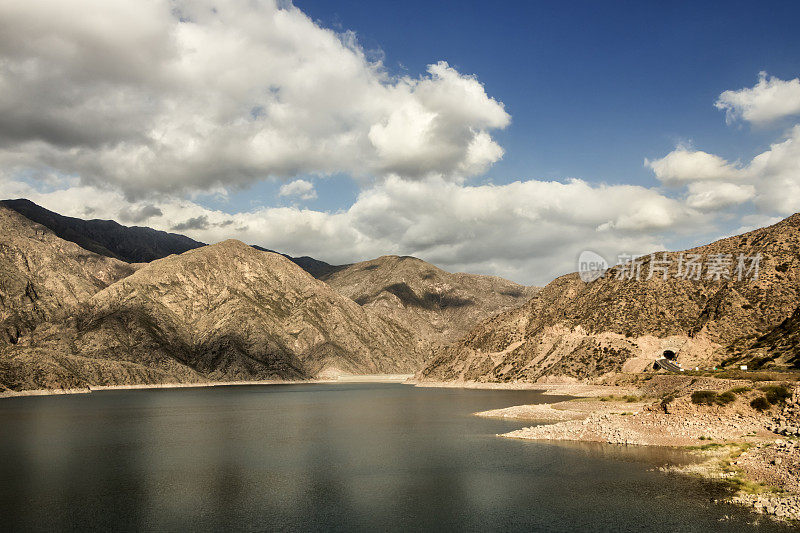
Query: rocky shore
{"points": [[621, 423], [737, 428], [569, 410], [775, 465]]}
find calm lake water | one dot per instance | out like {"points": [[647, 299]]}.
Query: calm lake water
{"points": [[343, 457]]}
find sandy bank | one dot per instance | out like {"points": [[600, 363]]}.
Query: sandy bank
{"points": [[623, 423], [374, 378], [96, 388], [582, 390], [366, 378], [564, 411]]}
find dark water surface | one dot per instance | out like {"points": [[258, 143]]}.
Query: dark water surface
{"points": [[333, 457]]}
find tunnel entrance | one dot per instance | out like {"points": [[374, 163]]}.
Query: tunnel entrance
{"points": [[669, 354]]}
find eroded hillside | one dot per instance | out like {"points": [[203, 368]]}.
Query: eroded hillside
{"points": [[43, 277], [579, 329], [438, 306], [221, 312]]}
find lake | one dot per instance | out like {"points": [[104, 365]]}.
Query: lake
{"points": [[341, 457]]}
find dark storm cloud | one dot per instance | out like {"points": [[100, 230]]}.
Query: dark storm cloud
{"points": [[198, 223], [137, 215]]}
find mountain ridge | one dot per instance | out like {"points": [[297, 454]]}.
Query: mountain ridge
{"points": [[574, 329], [132, 244], [438, 305], [219, 312], [262, 306], [42, 276]]}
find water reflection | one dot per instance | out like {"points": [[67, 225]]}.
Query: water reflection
{"points": [[300, 457]]}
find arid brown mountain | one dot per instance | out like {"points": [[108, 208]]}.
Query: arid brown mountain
{"points": [[220, 312], [231, 312], [105, 237], [43, 277], [438, 306], [781, 345], [582, 329]]}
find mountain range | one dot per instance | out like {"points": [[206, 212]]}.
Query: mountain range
{"points": [[437, 305], [574, 329], [72, 317], [132, 244], [93, 302], [106, 237]]}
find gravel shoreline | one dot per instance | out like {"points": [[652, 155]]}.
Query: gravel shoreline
{"points": [[619, 423], [736, 444]]}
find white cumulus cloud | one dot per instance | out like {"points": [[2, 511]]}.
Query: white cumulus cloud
{"points": [[771, 179], [776, 175], [160, 95], [684, 165], [769, 100], [717, 195], [298, 188], [529, 231]]}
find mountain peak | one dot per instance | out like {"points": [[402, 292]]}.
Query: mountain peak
{"points": [[132, 244], [439, 306]]}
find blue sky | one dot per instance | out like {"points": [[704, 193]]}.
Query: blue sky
{"points": [[270, 122], [592, 87]]}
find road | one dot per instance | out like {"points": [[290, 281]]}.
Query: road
{"points": [[666, 364]]}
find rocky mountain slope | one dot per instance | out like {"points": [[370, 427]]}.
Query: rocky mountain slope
{"points": [[221, 312], [782, 344], [43, 277], [231, 312], [438, 306], [582, 329], [105, 237]]}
